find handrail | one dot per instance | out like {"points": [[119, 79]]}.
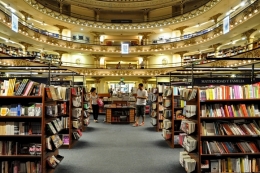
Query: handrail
{"points": [[176, 39], [134, 20]]}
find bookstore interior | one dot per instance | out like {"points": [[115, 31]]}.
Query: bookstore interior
{"points": [[198, 60]]}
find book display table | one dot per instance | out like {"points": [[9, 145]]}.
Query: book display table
{"points": [[120, 115]]}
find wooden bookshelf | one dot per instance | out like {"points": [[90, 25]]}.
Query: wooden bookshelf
{"points": [[155, 102], [159, 125]]}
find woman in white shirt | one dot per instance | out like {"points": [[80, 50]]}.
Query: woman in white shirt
{"points": [[94, 104]]}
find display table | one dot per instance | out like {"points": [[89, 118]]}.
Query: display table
{"points": [[120, 115]]}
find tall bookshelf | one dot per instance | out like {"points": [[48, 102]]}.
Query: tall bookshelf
{"points": [[176, 108], [160, 109], [227, 129], [191, 97], [154, 113]]}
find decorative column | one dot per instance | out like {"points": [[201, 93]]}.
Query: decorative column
{"points": [[60, 52], [97, 13], [216, 48], [249, 37], [182, 2], [181, 29], [145, 59], [97, 82], [145, 37], [97, 60], [145, 81], [61, 28], [26, 46], [97, 36], [181, 53], [215, 18], [61, 4], [145, 13], [27, 16]]}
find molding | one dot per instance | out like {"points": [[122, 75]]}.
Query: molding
{"points": [[94, 24]]}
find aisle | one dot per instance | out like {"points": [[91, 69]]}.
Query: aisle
{"points": [[106, 148]]}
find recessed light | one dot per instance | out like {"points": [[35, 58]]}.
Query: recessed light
{"points": [[81, 29]]}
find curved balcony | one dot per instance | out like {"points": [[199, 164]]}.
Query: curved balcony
{"points": [[157, 22], [135, 8], [180, 44]]}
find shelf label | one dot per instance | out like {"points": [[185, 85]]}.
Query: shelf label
{"points": [[254, 135], [217, 154]]}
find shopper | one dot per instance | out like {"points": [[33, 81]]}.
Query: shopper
{"points": [[94, 104], [118, 66], [140, 104]]}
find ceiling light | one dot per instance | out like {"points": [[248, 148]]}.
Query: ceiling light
{"points": [[81, 29], [161, 30]]}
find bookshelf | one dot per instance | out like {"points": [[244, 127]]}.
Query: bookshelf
{"points": [[226, 129], [154, 113], [175, 106], [188, 139], [85, 109]]}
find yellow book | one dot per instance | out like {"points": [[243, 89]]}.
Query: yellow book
{"points": [[10, 90], [229, 164], [242, 166]]}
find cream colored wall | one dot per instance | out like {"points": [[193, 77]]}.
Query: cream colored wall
{"points": [[156, 61], [69, 59], [176, 60], [163, 79]]}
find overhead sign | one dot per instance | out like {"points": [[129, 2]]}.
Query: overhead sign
{"points": [[226, 25], [124, 48], [14, 23], [221, 81], [61, 83]]}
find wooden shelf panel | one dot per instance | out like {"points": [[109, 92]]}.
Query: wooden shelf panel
{"points": [[230, 100], [20, 117], [230, 154], [228, 118], [20, 97], [21, 156], [20, 136], [230, 136]]}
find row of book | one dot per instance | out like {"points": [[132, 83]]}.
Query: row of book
{"points": [[230, 110], [18, 166], [251, 91], [217, 147], [188, 126], [190, 110], [21, 110], [54, 127], [10, 148], [53, 142], [228, 128], [178, 103], [26, 87], [166, 134], [58, 92], [20, 128], [238, 165], [166, 90], [188, 94]]}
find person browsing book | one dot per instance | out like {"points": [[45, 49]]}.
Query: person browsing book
{"points": [[93, 104], [140, 104]]}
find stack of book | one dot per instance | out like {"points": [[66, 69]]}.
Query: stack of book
{"points": [[188, 126], [188, 94], [189, 110], [187, 162], [57, 93]]}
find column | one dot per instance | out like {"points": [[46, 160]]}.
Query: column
{"points": [[97, 60], [215, 17], [250, 38], [181, 29], [145, 37], [61, 4], [145, 59], [26, 46], [181, 55], [61, 28], [97, 14], [60, 52], [145, 13], [97, 36]]}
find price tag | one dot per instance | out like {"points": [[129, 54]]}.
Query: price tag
{"points": [[254, 135], [217, 154]]}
